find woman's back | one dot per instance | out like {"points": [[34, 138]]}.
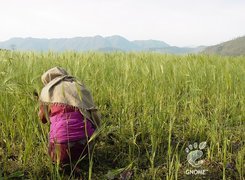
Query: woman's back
{"points": [[68, 124]]}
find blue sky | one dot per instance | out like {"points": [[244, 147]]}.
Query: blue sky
{"points": [[177, 22]]}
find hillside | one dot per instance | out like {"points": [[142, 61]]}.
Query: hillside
{"points": [[234, 47], [95, 43]]}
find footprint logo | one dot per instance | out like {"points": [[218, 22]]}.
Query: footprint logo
{"points": [[194, 154]]}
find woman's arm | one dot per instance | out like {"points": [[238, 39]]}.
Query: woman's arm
{"points": [[41, 114]]}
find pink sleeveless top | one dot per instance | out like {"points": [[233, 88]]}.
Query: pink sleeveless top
{"points": [[68, 125]]}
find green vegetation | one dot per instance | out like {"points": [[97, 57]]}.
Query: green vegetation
{"points": [[153, 106]]}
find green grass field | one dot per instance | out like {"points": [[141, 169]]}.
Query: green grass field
{"points": [[153, 106]]}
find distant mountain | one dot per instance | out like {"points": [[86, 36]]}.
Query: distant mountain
{"points": [[234, 47], [119, 42], [150, 44], [96, 43], [179, 50]]}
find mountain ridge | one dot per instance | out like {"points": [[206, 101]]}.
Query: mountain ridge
{"points": [[234, 47], [92, 43]]}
